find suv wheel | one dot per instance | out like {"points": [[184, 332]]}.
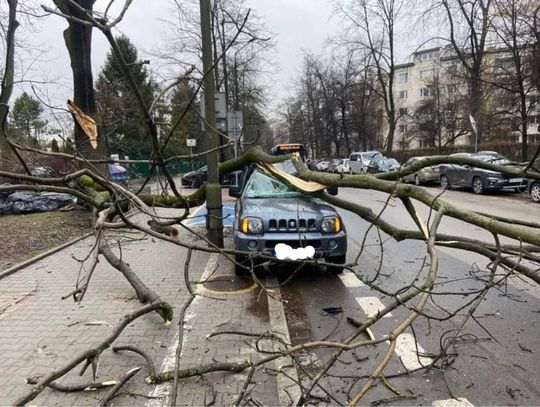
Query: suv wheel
{"points": [[535, 192], [339, 261], [444, 182], [478, 185], [416, 180]]}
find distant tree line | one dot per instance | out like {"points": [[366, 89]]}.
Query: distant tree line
{"points": [[487, 69]]}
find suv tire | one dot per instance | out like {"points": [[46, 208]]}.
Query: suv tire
{"points": [[478, 185], [339, 261]]}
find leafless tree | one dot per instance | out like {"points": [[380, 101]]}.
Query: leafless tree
{"points": [[513, 65], [373, 27], [517, 254], [468, 27]]}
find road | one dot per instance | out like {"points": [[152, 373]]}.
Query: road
{"points": [[496, 358]]}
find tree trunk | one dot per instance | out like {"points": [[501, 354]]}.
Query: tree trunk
{"points": [[78, 40], [7, 78]]}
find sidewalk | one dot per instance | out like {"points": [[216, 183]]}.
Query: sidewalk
{"points": [[39, 332]]}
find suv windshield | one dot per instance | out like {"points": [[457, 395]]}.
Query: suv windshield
{"points": [[261, 185]]}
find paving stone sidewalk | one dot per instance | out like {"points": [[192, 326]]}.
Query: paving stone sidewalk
{"points": [[40, 332]]}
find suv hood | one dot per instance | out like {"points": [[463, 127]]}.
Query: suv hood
{"points": [[268, 208]]}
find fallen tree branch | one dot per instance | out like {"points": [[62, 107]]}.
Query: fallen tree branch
{"points": [[123, 380], [90, 356]]}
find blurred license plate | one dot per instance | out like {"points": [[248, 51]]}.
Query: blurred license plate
{"points": [[516, 179]]}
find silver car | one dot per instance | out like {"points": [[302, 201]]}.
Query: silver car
{"points": [[423, 176], [359, 161]]}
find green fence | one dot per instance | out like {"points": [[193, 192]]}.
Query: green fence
{"points": [[175, 167]]}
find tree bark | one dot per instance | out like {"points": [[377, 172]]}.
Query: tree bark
{"points": [[7, 78], [78, 40]]}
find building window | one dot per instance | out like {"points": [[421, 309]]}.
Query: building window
{"points": [[426, 56], [402, 128], [426, 74], [403, 94], [403, 111], [403, 77], [426, 92]]}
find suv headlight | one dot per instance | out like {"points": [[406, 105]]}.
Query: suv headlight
{"points": [[251, 225], [331, 224]]}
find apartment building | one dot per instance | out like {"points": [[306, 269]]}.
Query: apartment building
{"points": [[430, 97]]}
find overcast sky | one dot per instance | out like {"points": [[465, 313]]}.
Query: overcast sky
{"points": [[297, 25]]}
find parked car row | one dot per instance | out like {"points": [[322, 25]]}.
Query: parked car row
{"points": [[448, 175]]}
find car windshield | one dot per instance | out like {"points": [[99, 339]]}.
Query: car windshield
{"points": [[261, 185], [367, 157]]}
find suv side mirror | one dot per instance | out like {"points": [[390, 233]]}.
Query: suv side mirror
{"points": [[332, 191], [235, 191]]}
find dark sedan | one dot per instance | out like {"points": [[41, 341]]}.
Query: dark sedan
{"points": [[478, 179], [194, 179]]}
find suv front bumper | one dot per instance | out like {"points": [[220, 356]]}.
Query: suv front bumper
{"points": [[326, 244]]}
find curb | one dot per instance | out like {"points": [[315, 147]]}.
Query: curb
{"points": [[40, 256]]}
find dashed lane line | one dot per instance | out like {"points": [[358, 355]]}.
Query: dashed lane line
{"points": [[409, 352], [349, 280], [459, 402], [371, 306]]}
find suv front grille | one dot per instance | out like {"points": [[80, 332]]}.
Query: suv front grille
{"points": [[294, 225]]}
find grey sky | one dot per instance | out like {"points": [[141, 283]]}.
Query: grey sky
{"points": [[297, 25]]}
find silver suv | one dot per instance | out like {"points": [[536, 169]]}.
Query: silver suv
{"points": [[359, 161], [268, 212]]}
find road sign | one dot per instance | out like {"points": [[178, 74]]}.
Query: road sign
{"points": [[191, 142]]}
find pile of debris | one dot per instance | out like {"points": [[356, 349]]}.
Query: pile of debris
{"points": [[27, 202]]}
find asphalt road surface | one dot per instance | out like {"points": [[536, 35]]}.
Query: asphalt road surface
{"points": [[497, 355]]}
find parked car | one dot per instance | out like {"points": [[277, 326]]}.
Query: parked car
{"points": [[311, 164], [333, 164], [269, 212], [194, 179], [479, 179], [379, 163], [422, 176], [322, 165], [343, 167], [533, 188], [359, 161]]}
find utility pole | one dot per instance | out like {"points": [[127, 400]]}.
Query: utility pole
{"points": [[214, 222]]}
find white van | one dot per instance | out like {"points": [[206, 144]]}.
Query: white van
{"points": [[359, 161]]}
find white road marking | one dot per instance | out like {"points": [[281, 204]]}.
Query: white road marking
{"points": [[349, 280], [459, 402], [371, 306], [406, 349], [160, 395]]}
